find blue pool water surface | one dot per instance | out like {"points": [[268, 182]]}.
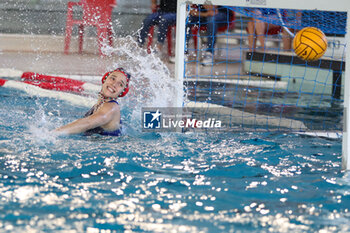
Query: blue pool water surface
{"points": [[148, 182]]}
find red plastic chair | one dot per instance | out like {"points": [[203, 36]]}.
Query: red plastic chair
{"points": [[203, 28], [168, 36], [96, 13]]}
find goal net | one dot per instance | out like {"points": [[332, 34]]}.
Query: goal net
{"points": [[237, 63]]}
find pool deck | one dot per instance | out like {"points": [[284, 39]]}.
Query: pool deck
{"points": [[56, 63], [44, 54], [81, 64]]}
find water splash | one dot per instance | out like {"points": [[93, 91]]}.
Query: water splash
{"points": [[152, 84], [40, 126]]}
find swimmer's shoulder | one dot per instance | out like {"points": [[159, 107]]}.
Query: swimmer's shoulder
{"points": [[111, 106]]}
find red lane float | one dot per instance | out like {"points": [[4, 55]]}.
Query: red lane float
{"points": [[58, 83], [57, 86], [31, 76], [37, 91], [2, 82]]}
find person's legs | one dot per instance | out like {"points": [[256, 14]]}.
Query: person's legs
{"points": [[148, 22], [251, 35], [260, 28], [165, 20], [287, 40], [192, 21], [211, 33], [214, 22], [256, 31]]}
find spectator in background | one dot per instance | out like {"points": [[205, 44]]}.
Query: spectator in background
{"points": [[164, 15], [213, 17], [258, 29]]}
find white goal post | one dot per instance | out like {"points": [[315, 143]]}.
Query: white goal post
{"points": [[319, 5]]}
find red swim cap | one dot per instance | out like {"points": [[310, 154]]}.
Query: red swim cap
{"points": [[127, 75]]}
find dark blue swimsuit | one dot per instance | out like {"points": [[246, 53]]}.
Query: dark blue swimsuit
{"points": [[100, 130]]}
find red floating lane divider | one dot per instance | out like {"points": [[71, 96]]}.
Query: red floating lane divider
{"points": [[31, 76], [58, 86], [37, 91], [58, 83], [2, 82]]}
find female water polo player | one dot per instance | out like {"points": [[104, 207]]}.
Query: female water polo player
{"points": [[104, 117]]}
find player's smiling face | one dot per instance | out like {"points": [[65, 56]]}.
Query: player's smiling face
{"points": [[114, 84]]}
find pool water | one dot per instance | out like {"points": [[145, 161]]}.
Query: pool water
{"points": [[149, 182]]}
